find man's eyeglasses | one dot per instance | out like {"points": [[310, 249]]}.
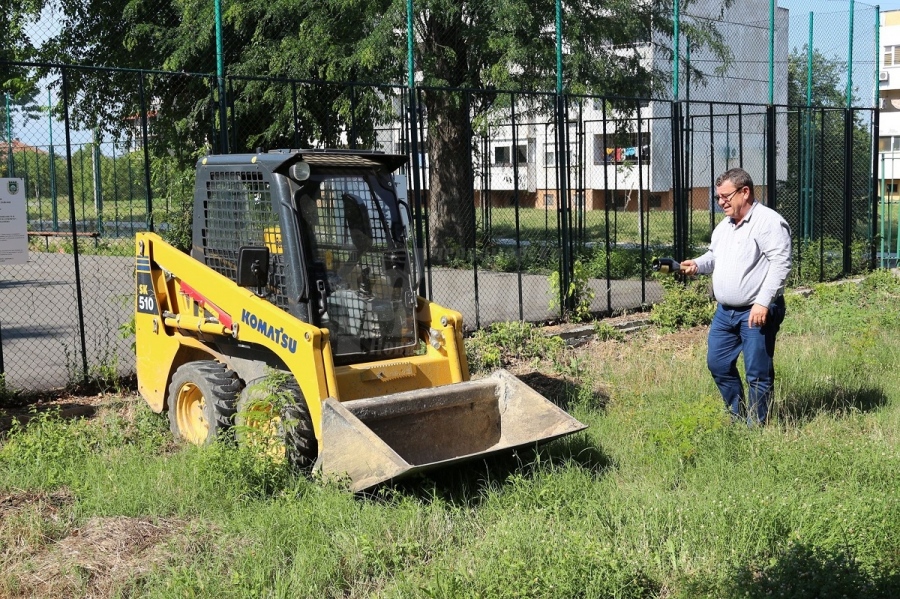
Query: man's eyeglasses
{"points": [[727, 198]]}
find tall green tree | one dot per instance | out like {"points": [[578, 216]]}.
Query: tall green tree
{"points": [[16, 80], [460, 45], [828, 79], [499, 45]]}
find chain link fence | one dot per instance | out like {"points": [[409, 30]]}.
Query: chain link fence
{"points": [[518, 195]]}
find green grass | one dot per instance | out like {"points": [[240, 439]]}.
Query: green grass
{"points": [[123, 210], [624, 227], [102, 246], [661, 497]]}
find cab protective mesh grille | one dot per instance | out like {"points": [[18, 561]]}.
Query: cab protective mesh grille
{"points": [[238, 212]]}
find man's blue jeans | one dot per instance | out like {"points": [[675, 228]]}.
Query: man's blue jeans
{"points": [[729, 334]]}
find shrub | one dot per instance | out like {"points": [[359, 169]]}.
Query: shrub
{"points": [[579, 292], [623, 263], [684, 305], [818, 260], [689, 426]]}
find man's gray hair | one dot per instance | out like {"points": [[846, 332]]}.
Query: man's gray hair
{"points": [[738, 176]]}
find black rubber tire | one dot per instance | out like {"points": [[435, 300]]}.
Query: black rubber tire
{"points": [[202, 401], [294, 424], [300, 443]]}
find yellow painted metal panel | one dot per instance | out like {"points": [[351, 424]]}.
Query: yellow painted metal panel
{"points": [[301, 346]]}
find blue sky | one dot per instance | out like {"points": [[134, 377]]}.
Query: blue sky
{"points": [[830, 6]]}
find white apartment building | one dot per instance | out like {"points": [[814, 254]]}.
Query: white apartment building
{"points": [[725, 115], [889, 104]]}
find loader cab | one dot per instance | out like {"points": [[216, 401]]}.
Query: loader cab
{"points": [[356, 253], [322, 234]]}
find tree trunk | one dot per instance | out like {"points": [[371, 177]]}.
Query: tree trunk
{"points": [[451, 205]]}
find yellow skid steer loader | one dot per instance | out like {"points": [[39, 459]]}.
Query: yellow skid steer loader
{"points": [[303, 264]]}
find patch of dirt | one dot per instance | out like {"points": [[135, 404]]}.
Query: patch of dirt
{"points": [[94, 560], [558, 388], [684, 339], [49, 501], [625, 322], [68, 406], [648, 345]]}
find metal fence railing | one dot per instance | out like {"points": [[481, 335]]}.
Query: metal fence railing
{"points": [[527, 167], [511, 191]]}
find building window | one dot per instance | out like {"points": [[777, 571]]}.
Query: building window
{"points": [[550, 158], [627, 149], [891, 56], [889, 144], [503, 155], [522, 154]]}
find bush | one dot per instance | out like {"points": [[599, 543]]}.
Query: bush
{"points": [[579, 292], [684, 305], [623, 263], [818, 260]]}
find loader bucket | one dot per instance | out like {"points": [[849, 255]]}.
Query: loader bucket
{"points": [[374, 440]]}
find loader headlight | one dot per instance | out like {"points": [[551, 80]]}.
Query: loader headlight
{"points": [[299, 171], [435, 338]]}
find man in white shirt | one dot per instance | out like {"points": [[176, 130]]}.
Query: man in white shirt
{"points": [[750, 258]]}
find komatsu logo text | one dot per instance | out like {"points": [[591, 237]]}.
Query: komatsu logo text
{"points": [[277, 335]]}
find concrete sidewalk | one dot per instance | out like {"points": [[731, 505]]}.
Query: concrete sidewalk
{"points": [[496, 296]]}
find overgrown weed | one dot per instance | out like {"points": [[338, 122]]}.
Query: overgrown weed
{"points": [[503, 343], [661, 496]]}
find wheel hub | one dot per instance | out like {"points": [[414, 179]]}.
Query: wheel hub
{"points": [[191, 419]]}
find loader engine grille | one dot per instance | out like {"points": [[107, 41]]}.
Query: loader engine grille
{"points": [[237, 211], [360, 261]]}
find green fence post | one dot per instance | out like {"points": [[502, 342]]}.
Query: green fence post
{"points": [[10, 164], [881, 218], [850, 60], [418, 209], [54, 210], [98, 182], [807, 195], [771, 51], [220, 78]]}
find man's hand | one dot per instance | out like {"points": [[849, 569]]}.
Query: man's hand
{"points": [[689, 268], [758, 315]]}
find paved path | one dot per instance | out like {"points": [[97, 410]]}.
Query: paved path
{"points": [[498, 295], [41, 341], [39, 325]]}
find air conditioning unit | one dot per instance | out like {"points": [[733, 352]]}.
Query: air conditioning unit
{"points": [[882, 75]]}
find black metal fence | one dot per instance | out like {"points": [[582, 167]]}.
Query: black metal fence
{"points": [[518, 197]]}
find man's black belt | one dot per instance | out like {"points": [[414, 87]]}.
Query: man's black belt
{"points": [[777, 299], [736, 308]]}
